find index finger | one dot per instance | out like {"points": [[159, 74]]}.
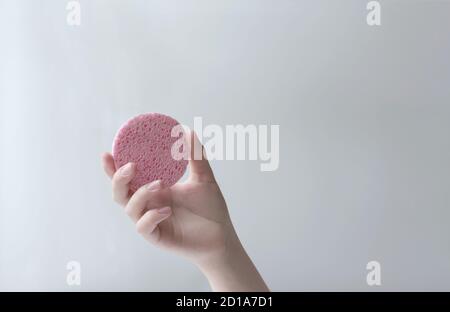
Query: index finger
{"points": [[108, 164]]}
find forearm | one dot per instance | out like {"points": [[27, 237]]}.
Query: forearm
{"points": [[233, 270]]}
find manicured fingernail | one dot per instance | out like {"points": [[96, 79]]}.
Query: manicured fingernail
{"points": [[164, 210], [127, 170], [155, 185]]}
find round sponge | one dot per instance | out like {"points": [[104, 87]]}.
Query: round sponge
{"points": [[146, 141]]}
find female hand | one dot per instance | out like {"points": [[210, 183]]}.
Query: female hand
{"points": [[189, 218]]}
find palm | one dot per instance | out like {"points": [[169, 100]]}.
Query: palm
{"points": [[198, 208]]}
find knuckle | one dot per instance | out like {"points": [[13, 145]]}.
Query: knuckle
{"points": [[115, 197], [140, 228], [118, 180], [129, 210]]}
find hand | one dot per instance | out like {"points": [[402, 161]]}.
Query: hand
{"points": [[190, 218]]}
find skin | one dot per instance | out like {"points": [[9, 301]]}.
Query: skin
{"points": [[191, 219]]}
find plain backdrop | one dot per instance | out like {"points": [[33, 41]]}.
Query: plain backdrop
{"points": [[364, 121]]}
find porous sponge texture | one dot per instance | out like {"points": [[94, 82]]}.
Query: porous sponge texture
{"points": [[146, 141]]}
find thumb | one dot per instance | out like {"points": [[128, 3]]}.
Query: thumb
{"points": [[200, 170]]}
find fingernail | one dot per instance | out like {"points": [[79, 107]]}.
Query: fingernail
{"points": [[155, 185], [164, 210], [127, 170]]}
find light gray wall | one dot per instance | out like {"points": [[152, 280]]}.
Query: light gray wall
{"points": [[364, 129]]}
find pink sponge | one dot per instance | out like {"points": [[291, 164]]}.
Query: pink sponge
{"points": [[146, 140]]}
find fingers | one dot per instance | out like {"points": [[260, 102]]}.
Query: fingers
{"points": [[120, 181], [147, 226], [200, 170], [108, 164], [149, 196], [147, 207]]}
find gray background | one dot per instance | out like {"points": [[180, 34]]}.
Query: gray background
{"points": [[364, 131]]}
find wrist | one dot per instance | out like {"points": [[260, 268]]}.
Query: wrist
{"points": [[231, 269], [229, 251]]}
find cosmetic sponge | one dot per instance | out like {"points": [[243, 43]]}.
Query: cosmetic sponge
{"points": [[146, 140]]}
